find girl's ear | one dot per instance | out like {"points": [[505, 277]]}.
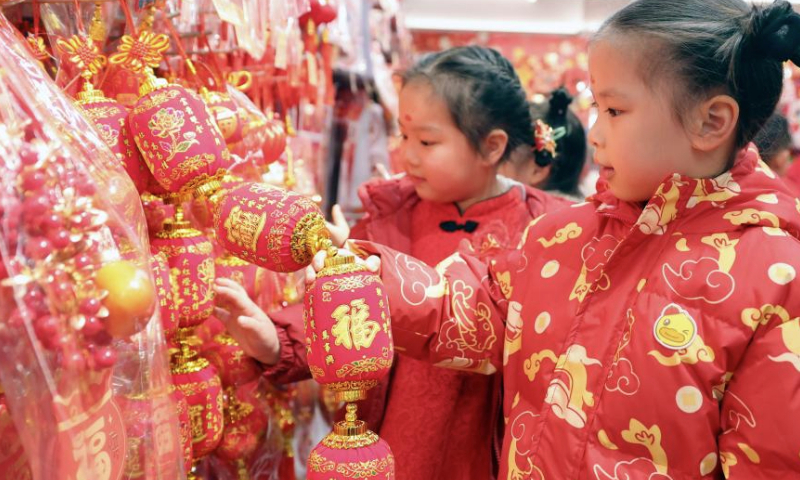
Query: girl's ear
{"points": [[494, 146], [714, 123]]}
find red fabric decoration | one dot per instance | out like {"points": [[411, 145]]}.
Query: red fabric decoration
{"points": [[374, 461], [111, 120], [347, 328], [178, 139], [245, 422], [191, 274], [198, 381], [269, 226]]}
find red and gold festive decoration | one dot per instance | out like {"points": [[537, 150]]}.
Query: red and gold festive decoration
{"points": [[178, 139], [199, 382], [229, 118], [348, 335], [192, 272], [269, 226], [245, 422], [351, 452]]}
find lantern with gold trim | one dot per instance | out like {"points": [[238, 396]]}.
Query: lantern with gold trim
{"points": [[175, 134], [199, 382], [351, 452], [189, 254], [108, 116], [245, 422]]}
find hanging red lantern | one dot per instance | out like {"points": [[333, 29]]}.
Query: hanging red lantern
{"points": [[165, 293], [229, 118], [269, 226], [351, 451], [185, 424], [191, 265], [348, 335], [172, 127], [245, 422], [13, 460], [234, 366], [199, 382]]}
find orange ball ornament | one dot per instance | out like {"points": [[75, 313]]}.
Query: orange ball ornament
{"points": [[131, 298]]}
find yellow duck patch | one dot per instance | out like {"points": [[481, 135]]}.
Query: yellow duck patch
{"points": [[675, 328]]}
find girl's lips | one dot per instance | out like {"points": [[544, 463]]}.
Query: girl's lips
{"points": [[415, 179], [606, 172]]}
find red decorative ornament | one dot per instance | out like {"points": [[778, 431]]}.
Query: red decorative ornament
{"points": [[185, 424], [238, 270], [165, 293], [348, 334], [189, 255], [198, 381], [229, 118], [13, 460], [111, 120], [351, 451], [178, 139], [234, 366], [245, 422], [322, 11], [269, 226]]}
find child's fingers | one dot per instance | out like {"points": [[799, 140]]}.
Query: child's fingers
{"points": [[373, 263], [223, 315], [319, 260], [311, 275], [338, 217], [228, 283]]}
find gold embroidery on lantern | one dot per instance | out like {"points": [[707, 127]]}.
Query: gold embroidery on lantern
{"points": [[196, 415], [133, 462], [318, 463], [373, 364], [353, 327], [155, 98], [99, 112], [244, 228]]}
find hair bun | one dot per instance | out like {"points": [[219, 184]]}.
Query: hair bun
{"points": [[560, 100], [776, 31]]}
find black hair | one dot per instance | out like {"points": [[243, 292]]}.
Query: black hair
{"points": [[570, 156], [716, 46], [482, 92], [773, 138]]}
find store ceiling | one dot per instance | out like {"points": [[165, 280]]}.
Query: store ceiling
{"points": [[540, 16]]}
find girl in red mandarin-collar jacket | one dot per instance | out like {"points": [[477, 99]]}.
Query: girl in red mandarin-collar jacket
{"points": [[462, 112], [653, 332]]}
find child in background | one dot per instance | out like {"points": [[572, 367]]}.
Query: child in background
{"points": [[774, 143], [654, 332], [559, 173], [462, 112]]}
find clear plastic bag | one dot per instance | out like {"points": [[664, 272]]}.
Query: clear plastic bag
{"points": [[79, 325]]}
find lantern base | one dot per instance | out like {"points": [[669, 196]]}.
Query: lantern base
{"points": [[354, 391]]}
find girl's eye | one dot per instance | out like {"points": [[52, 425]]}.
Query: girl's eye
{"points": [[426, 143], [403, 136], [613, 112]]}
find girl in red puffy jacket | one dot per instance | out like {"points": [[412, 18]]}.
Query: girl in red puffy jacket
{"points": [[653, 332], [462, 112]]}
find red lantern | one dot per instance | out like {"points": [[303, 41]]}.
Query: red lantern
{"points": [[234, 366], [164, 290], [188, 253], [245, 422], [111, 120], [178, 139], [152, 418], [198, 381], [269, 226], [351, 451], [171, 126], [348, 335], [185, 423], [229, 118]]}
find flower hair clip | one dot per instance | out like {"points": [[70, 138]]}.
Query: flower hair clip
{"points": [[545, 137]]}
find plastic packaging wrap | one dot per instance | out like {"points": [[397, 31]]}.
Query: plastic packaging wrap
{"points": [[79, 327]]}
